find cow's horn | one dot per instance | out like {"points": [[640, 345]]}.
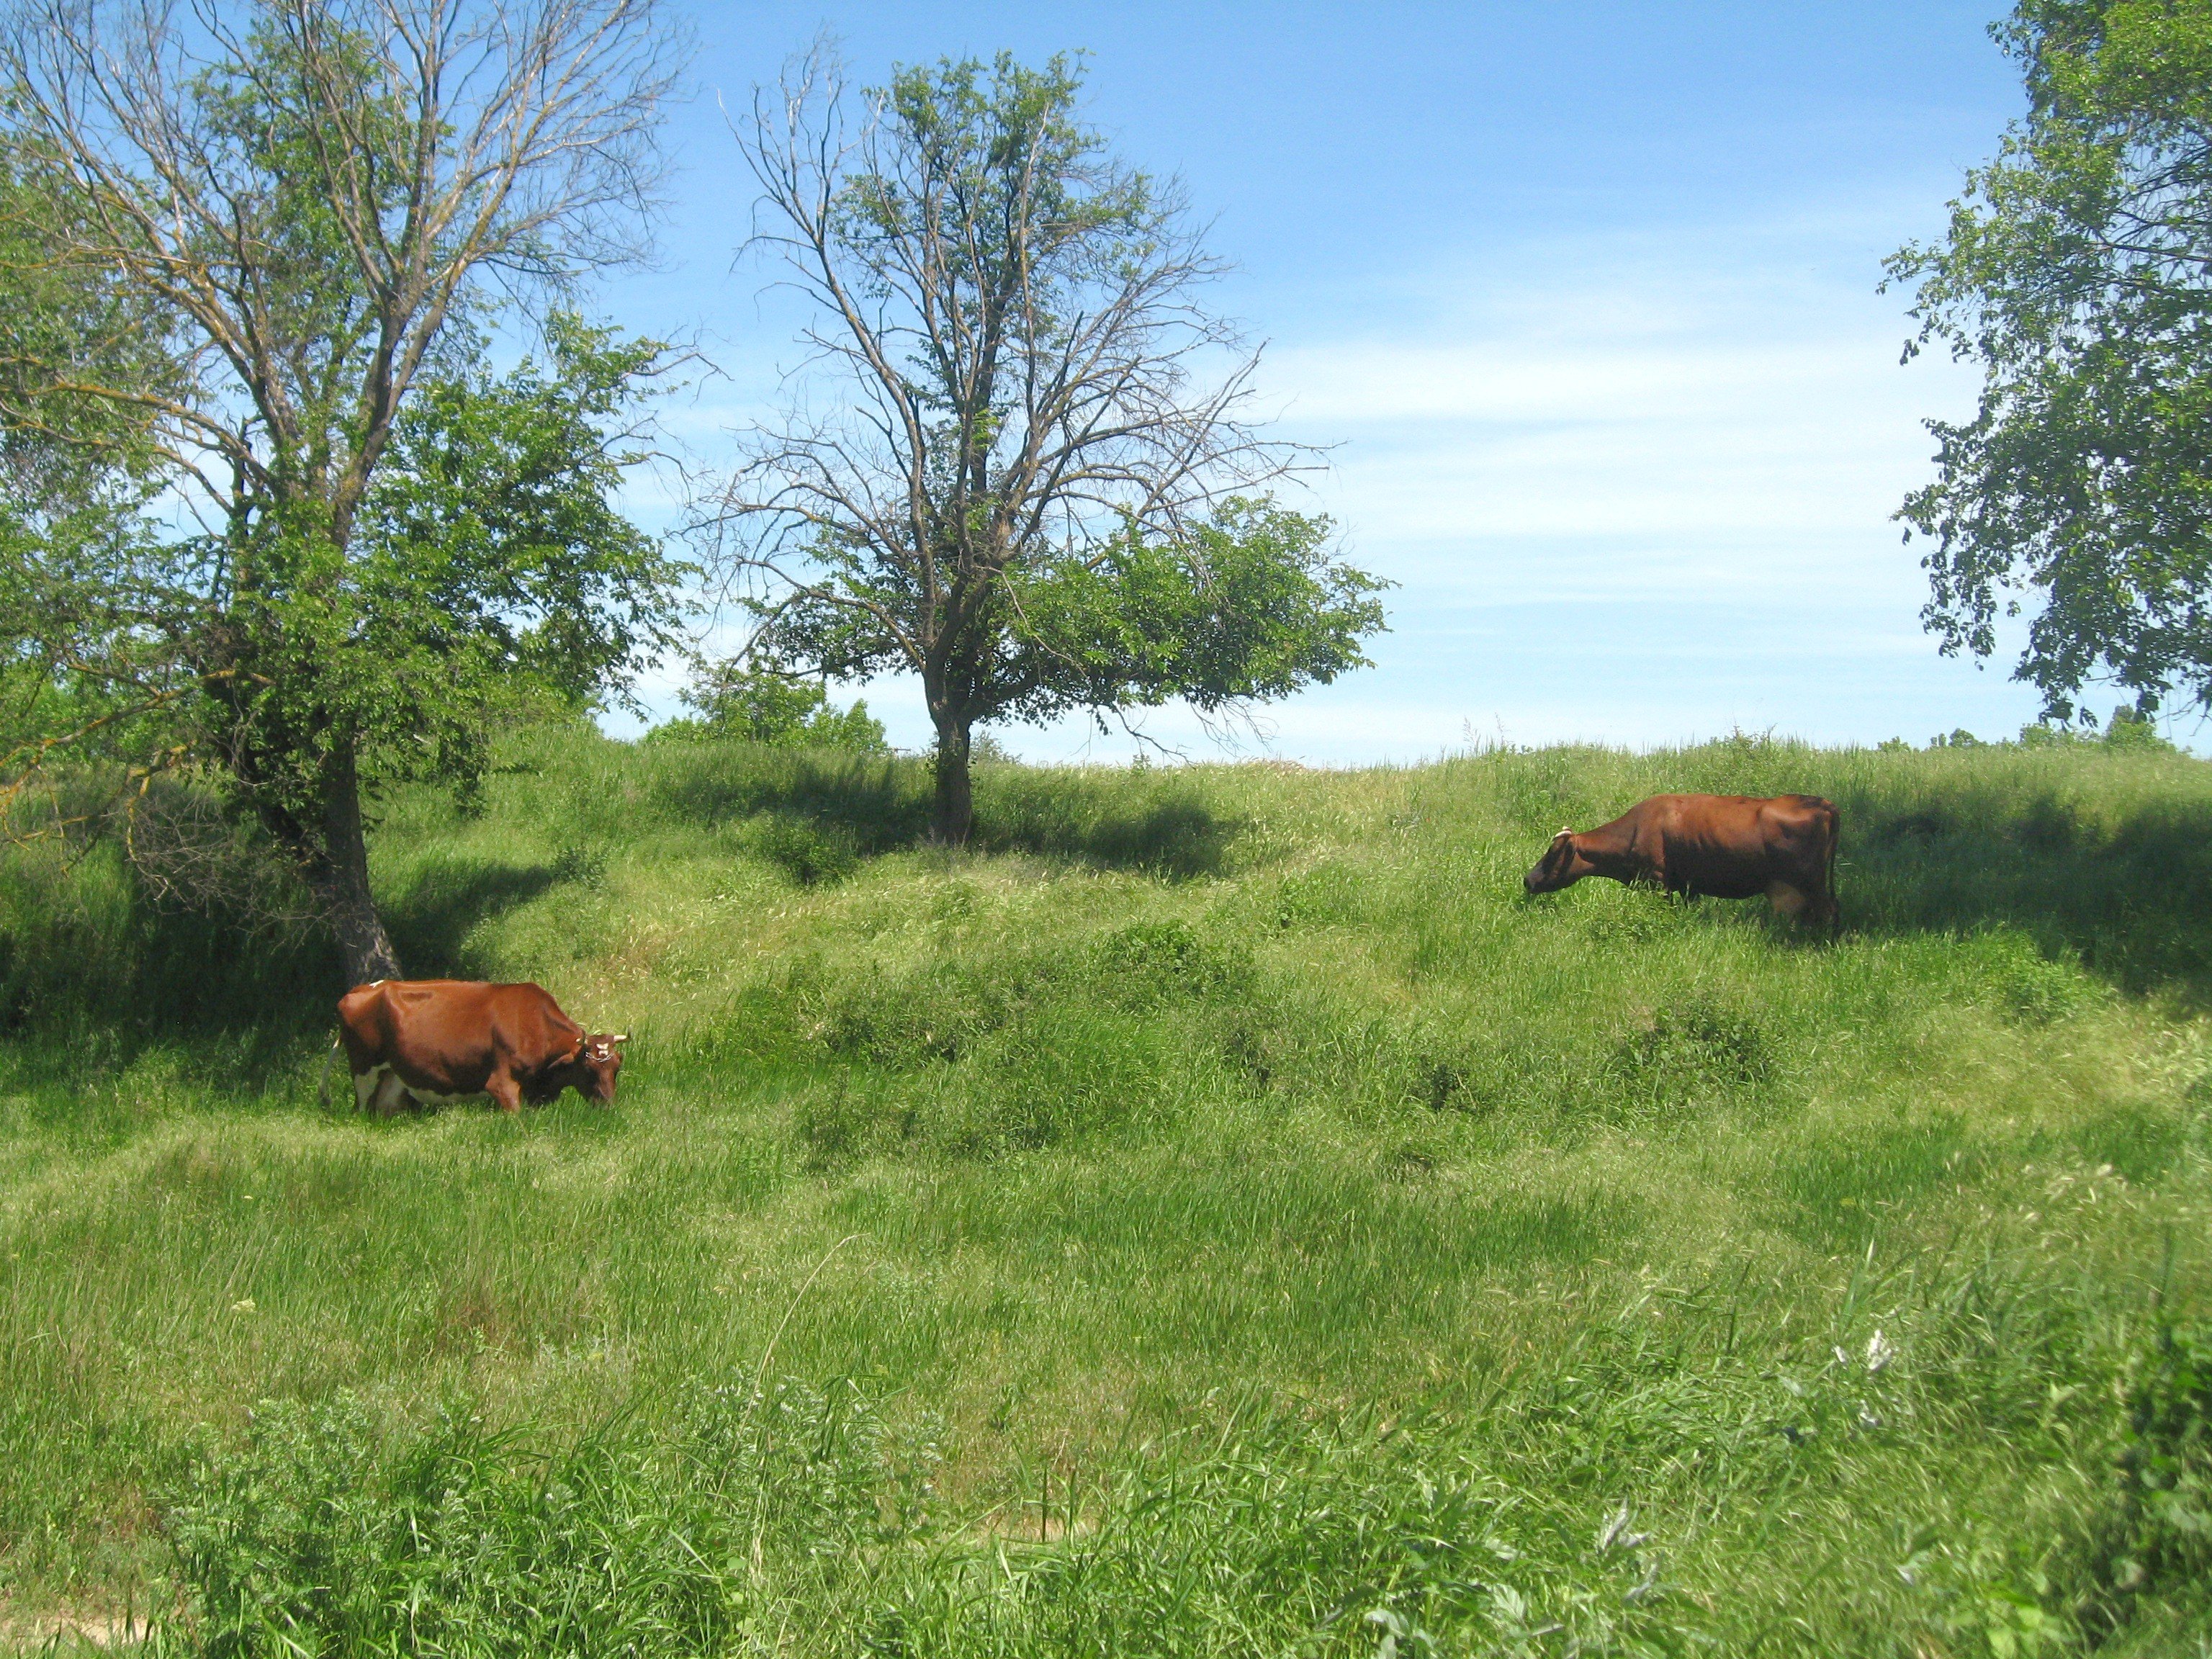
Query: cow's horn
{"points": [[1564, 831], [619, 1037]]}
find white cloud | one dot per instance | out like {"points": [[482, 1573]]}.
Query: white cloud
{"points": [[1634, 489]]}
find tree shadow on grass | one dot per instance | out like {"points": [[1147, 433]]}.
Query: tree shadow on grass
{"points": [[231, 1009], [2127, 888], [1165, 828], [876, 805], [430, 921], [1161, 824]]}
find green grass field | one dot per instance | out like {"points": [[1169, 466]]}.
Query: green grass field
{"points": [[1218, 1214]]}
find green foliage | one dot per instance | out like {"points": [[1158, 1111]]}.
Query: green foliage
{"points": [[488, 571], [2134, 729], [750, 704], [1031, 507], [2071, 272], [67, 456], [488, 552], [1248, 607], [487, 577], [402, 550]]}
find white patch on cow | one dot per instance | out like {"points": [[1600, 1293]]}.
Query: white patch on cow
{"points": [[380, 1090], [423, 1096], [365, 1085]]}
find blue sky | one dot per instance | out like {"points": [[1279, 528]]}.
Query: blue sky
{"points": [[1582, 296]]}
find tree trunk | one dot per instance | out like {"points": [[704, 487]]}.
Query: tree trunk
{"points": [[955, 813], [339, 873]]}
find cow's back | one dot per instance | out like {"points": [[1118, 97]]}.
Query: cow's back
{"points": [[448, 1036], [1736, 846]]}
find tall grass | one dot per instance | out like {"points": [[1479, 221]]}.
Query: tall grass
{"points": [[1220, 1213]]}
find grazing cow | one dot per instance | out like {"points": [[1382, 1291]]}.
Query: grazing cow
{"points": [[426, 1042], [1723, 846]]}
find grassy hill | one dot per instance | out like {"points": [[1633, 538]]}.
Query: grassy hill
{"points": [[1218, 1214]]}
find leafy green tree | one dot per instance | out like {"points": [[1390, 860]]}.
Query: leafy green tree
{"points": [[315, 198], [763, 704], [2077, 271], [2127, 729], [1042, 493]]}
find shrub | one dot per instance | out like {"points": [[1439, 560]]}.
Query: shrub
{"points": [[766, 705], [2029, 987], [811, 855]]}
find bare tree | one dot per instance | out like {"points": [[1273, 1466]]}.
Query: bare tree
{"points": [[308, 195], [1036, 413]]}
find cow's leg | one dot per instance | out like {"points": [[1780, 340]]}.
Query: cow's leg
{"points": [[391, 1096], [379, 1090], [502, 1086], [1787, 899]]}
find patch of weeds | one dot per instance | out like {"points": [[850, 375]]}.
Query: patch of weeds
{"points": [[2167, 1468], [1064, 1075], [1316, 898], [1688, 1052], [2028, 987], [1447, 1085], [1052, 1074], [851, 1120], [1148, 963], [909, 1019], [582, 865], [811, 855], [2151, 1542], [1630, 915], [325, 1533], [1840, 1186], [2138, 1139], [1254, 1047], [1411, 1160]]}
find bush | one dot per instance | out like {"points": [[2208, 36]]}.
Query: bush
{"points": [[765, 706], [810, 855], [2027, 987]]}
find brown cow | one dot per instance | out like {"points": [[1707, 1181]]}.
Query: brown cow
{"points": [[426, 1042], [1723, 846]]}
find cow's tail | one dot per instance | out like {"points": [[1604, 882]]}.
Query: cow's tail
{"points": [[1828, 873], [323, 1088]]}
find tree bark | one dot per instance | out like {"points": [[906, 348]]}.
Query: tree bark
{"points": [[339, 873], [954, 816]]}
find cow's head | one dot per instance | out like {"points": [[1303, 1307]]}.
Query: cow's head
{"points": [[596, 1064], [1562, 866]]}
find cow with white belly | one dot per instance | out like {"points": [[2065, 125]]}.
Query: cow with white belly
{"points": [[426, 1042]]}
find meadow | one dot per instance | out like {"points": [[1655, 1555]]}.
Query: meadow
{"points": [[1217, 1213]]}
